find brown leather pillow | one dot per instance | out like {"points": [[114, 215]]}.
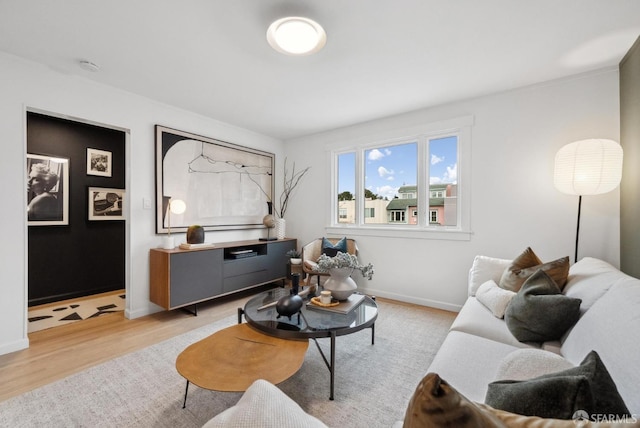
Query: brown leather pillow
{"points": [[526, 264], [435, 403]]}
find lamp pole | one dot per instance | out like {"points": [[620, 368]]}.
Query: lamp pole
{"points": [[578, 228]]}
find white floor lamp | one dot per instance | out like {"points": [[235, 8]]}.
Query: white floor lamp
{"points": [[587, 167]]}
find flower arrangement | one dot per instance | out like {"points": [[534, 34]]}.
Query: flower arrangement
{"points": [[343, 260]]}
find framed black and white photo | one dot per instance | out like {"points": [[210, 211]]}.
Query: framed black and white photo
{"points": [[106, 204], [98, 162], [47, 190], [223, 185]]}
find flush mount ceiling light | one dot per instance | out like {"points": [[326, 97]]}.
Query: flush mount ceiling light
{"points": [[295, 35]]}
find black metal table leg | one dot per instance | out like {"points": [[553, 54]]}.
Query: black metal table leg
{"points": [[240, 313], [332, 369], [186, 390], [373, 334]]}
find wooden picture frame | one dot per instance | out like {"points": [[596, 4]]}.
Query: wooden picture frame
{"points": [[105, 204], [99, 162], [47, 190], [224, 186]]}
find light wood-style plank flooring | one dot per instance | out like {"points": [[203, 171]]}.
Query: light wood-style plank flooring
{"points": [[61, 351]]}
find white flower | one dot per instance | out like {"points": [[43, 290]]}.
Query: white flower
{"points": [[343, 260]]}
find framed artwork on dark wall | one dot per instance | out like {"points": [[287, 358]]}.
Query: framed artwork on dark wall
{"points": [[47, 190], [106, 204], [98, 162], [222, 185]]}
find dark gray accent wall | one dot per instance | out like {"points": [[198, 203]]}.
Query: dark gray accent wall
{"points": [[630, 141], [84, 257]]}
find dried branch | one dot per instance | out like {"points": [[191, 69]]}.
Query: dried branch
{"points": [[289, 185]]}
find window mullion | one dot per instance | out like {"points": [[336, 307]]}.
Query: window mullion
{"points": [[359, 206], [423, 181]]}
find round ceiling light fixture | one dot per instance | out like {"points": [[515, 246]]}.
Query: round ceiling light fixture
{"points": [[295, 35]]}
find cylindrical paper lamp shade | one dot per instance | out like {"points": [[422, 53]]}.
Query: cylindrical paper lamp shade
{"points": [[588, 167]]}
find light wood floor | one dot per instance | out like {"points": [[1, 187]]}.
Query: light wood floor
{"points": [[61, 351]]}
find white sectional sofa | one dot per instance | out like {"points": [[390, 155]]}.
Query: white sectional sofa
{"points": [[479, 344]]}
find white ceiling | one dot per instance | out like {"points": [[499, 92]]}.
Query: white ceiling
{"points": [[383, 57]]}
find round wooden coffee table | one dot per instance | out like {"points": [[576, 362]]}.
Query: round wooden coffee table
{"points": [[233, 358]]}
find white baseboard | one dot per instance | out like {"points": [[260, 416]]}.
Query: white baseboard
{"points": [[7, 348], [137, 313], [412, 299]]}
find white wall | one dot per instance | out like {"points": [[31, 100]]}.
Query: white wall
{"points": [[514, 203], [27, 85]]}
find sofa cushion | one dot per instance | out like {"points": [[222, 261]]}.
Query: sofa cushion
{"points": [[526, 264], [264, 405], [475, 318], [587, 387], [524, 364], [496, 299], [540, 312], [611, 328], [470, 362], [331, 249], [483, 269], [589, 279]]}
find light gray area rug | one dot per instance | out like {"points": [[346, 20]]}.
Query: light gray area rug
{"points": [[143, 389]]}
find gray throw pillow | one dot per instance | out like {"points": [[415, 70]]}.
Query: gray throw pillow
{"points": [[559, 395], [540, 312]]}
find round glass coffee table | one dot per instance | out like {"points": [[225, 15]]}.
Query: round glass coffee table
{"points": [[310, 323]]}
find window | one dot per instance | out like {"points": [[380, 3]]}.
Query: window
{"points": [[433, 216], [411, 183]]}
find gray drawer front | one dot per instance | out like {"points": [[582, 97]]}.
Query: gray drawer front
{"points": [[242, 281], [243, 266], [195, 276]]}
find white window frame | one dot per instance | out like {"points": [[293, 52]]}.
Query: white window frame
{"points": [[461, 127]]}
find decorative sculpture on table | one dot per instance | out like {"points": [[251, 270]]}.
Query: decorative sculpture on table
{"points": [[195, 234], [288, 306]]}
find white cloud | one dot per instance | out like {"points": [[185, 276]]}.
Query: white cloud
{"points": [[435, 159], [387, 152], [387, 191], [384, 172], [375, 154], [450, 176]]}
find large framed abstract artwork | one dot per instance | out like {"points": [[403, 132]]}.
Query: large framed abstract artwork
{"points": [[47, 190], [223, 185]]}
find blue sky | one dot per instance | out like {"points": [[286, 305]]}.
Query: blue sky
{"points": [[388, 168]]}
